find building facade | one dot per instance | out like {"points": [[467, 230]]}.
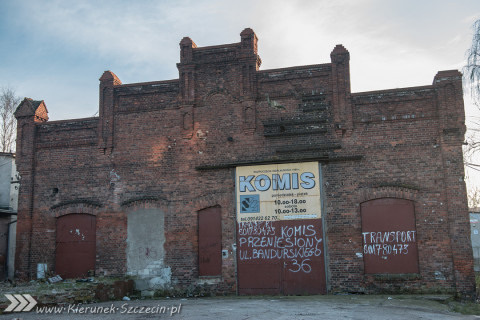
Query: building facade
{"points": [[240, 180], [9, 186], [475, 237]]}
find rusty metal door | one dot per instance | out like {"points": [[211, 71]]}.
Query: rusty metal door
{"points": [[281, 257], [75, 245], [304, 264], [259, 262], [210, 242], [389, 236]]}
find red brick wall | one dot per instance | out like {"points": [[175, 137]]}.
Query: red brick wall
{"points": [[174, 144]]}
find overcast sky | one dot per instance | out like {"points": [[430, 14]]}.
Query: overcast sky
{"points": [[57, 50]]}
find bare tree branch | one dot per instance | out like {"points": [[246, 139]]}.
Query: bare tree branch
{"points": [[8, 123], [472, 69], [474, 197], [471, 73]]}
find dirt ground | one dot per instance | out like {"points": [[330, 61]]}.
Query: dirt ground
{"points": [[73, 300], [291, 307]]}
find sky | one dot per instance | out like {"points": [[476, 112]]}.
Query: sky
{"points": [[57, 50]]}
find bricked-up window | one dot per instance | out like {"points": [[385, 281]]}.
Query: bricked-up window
{"points": [[389, 236], [210, 242]]}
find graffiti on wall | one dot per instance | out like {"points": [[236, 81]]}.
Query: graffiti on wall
{"points": [[296, 245]]}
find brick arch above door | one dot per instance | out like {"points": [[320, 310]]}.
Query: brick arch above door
{"points": [[76, 206], [367, 194]]}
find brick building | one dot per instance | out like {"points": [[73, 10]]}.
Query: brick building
{"points": [[236, 179], [8, 214]]}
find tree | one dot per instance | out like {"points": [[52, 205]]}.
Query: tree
{"points": [[471, 73], [472, 85], [473, 196], [472, 69], [8, 124]]}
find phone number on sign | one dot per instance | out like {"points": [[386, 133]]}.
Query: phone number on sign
{"points": [[259, 218]]}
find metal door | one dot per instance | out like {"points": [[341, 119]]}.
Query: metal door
{"points": [[259, 264], [281, 257], [304, 265], [210, 242], [389, 236], [75, 245]]}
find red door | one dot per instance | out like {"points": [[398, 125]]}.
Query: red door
{"points": [[305, 272], [281, 257], [75, 250], [210, 242], [389, 236]]}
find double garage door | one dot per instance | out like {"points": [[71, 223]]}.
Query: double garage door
{"points": [[283, 257], [280, 245]]}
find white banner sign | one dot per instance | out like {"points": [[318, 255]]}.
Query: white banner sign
{"points": [[278, 192]]}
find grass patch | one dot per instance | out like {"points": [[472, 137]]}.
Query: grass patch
{"points": [[472, 308]]}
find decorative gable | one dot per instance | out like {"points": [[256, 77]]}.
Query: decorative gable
{"points": [[29, 108]]}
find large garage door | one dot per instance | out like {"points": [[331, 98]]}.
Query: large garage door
{"points": [[280, 246], [75, 251], [283, 257]]}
